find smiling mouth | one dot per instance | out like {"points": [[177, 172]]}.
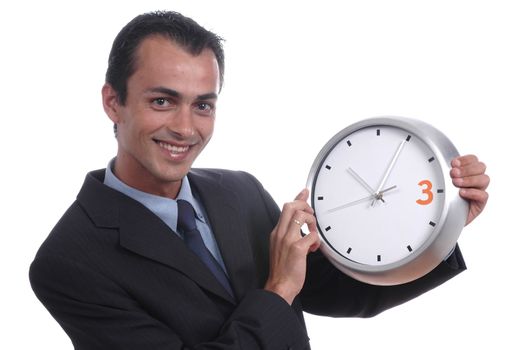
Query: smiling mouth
{"points": [[174, 150]]}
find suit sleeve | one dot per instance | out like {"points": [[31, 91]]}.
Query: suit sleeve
{"points": [[329, 292], [97, 313]]}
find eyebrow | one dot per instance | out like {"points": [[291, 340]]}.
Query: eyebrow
{"points": [[176, 94]]}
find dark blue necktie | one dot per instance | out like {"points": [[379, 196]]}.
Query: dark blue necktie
{"points": [[192, 237]]}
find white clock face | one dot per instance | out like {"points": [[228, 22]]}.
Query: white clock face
{"points": [[378, 195]]}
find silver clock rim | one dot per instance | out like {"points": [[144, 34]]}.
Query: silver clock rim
{"points": [[447, 230]]}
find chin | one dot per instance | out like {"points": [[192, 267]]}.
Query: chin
{"points": [[173, 175]]}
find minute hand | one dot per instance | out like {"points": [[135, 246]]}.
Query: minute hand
{"points": [[389, 169]]}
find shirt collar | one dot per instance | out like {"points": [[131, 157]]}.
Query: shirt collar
{"points": [[164, 208]]}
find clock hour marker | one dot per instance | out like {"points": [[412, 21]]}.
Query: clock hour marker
{"points": [[409, 248], [440, 191], [349, 143], [349, 250], [377, 132], [320, 198], [431, 159], [328, 228], [378, 258], [408, 138], [328, 167], [432, 223]]}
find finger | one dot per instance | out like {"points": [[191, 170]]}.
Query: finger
{"points": [[476, 168], [311, 222], [288, 211], [289, 208], [316, 242], [480, 182], [310, 242], [464, 160], [476, 195], [298, 220], [303, 195]]}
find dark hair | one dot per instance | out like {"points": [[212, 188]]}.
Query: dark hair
{"points": [[182, 30]]}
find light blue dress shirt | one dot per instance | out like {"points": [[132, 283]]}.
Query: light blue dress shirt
{"points": [[166, 208]]}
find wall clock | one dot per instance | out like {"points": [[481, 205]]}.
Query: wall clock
{"points": [[386, 208]]}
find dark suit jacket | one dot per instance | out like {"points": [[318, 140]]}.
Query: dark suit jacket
{"points": [[116, 277]]}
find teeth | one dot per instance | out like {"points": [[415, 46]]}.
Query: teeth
{"points": [[173, 149]]}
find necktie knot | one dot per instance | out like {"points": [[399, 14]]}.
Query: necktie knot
{"points": [[186, 216]]}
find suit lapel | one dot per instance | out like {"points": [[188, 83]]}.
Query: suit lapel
{"points": [[143, 233], [224, 212]]}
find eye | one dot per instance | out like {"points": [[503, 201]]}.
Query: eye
{"points": [[161, 102], [205, 107]]}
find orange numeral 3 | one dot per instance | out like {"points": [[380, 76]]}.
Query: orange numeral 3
{"points": [[427, 191]]}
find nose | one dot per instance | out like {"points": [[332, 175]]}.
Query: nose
{"points": [[181, 123]]}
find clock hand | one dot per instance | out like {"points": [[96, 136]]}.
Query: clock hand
{"points": [[358, 201], [350, 203], [380, 194], [389, 169], [361, 181]]}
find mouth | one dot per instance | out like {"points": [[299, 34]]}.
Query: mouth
{"points": [[173, 150]]}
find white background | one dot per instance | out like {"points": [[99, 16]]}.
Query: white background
{"points": [[297, 73]]}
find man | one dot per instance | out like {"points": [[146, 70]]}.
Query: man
{"points": [[124, 268]]}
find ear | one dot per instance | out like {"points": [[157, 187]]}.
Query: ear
{"points": [[110, 102]]}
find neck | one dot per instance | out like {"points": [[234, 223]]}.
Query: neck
{"points": [[141, 179]]}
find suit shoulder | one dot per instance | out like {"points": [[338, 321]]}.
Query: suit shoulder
{"points": [[229, 178], [72, 235], [244, 185]]}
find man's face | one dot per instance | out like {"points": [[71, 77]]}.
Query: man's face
{"points": [[168, 117]]}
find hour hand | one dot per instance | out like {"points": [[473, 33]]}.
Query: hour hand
{"points": [[362, 182]]}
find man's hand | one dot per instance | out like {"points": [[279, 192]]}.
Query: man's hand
{"points": [[468, 174], [289, 250]]}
